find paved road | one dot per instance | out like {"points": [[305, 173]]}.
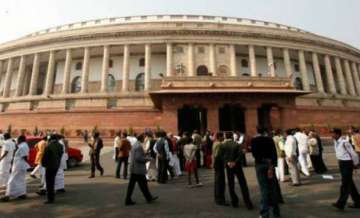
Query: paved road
{"points": [[103, 197]]}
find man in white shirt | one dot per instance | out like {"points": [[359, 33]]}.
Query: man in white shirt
{"points": [[7, 153], [302, 140], [291, 157], [347, 158]]}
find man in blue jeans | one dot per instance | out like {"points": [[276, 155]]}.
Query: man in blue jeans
{"points": [[264, 151]]}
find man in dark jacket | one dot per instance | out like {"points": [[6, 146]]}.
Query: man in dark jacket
{"points": [[95, 148], [138, 172], [231, 155], [51, 162], [161, 149], [264, 151]]}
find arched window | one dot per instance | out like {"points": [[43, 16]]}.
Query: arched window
{"points": [[111, 82], [202, 70], [244, 63], [78, 66], [298, 84], [139, 82], [142, 62], [76, 85]]}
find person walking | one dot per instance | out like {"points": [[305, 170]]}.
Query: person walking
{"points": [[39, 147], [218, 162], [138, 172], [191, 164], [230, 152], [264, 152], [161, 148], [51, 162], [348, 160], [7, 153], [95, 149], [123, 148], [279, 145], [303, 146], [16, 186], [290, 149]]}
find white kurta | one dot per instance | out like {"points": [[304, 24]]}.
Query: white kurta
{"points": [[17, 184], [60, 176], [5, 164]]}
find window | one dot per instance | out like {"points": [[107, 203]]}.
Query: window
{"points": [[244, 63], [142, 62], [78, 66], [111, 63], [76, 85], [275, 66], [201, 50], [298, 84], [202, 70], [111, 82], [222, 50], [296, 67], [139, 82], [179, 49]]}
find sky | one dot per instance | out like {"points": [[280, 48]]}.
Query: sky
{"points": [[337, 19]]}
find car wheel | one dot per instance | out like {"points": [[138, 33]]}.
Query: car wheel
{"points": [[72, 162]]}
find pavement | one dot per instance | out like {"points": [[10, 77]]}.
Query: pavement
{"points": [[103, 197]]}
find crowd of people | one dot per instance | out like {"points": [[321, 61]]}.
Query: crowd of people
{"points": [[159, 156]]}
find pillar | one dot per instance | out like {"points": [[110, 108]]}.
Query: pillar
{"points": [[125, 75], [329, 75], [212, 59], [67, 72], [7, 81], [288, 117], [252, 60], [85, 71], [191, 64], [356, 77], [340, 76], [105, 68], [349, 78], [34, 75], [251, 120], [50, 74], [147, 78], [270, 61], [303, 71], [213, 118], [169, 59], [317, 72], [1, 69], [287, 62], [233, 70], [20, 77]]}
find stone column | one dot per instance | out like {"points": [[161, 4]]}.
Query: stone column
{"points": [[233, 70], [85, 71], [191, 64], [251, 120], [147, 78], [349, 78], [50, 74], [252, 60], [1, 69], [105, 68], [329, 75], [287, 62], [213, 117], [340, 76], [20, 77], [125, 73], [212, 59], [34, 75], [270, 61], [317, 72], [287, 117], [303, 71], [67, 72], [169, 60], [7, 81], [356, 77]]}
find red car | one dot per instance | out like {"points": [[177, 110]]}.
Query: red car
{"points": [[75, 155]]}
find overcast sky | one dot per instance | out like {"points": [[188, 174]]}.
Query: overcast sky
{"points": [[338, 19]]}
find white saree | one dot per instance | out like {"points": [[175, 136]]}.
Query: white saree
{"points": [[5, 164]]}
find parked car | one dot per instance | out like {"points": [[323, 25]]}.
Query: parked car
{"points": [[75, 155]]}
